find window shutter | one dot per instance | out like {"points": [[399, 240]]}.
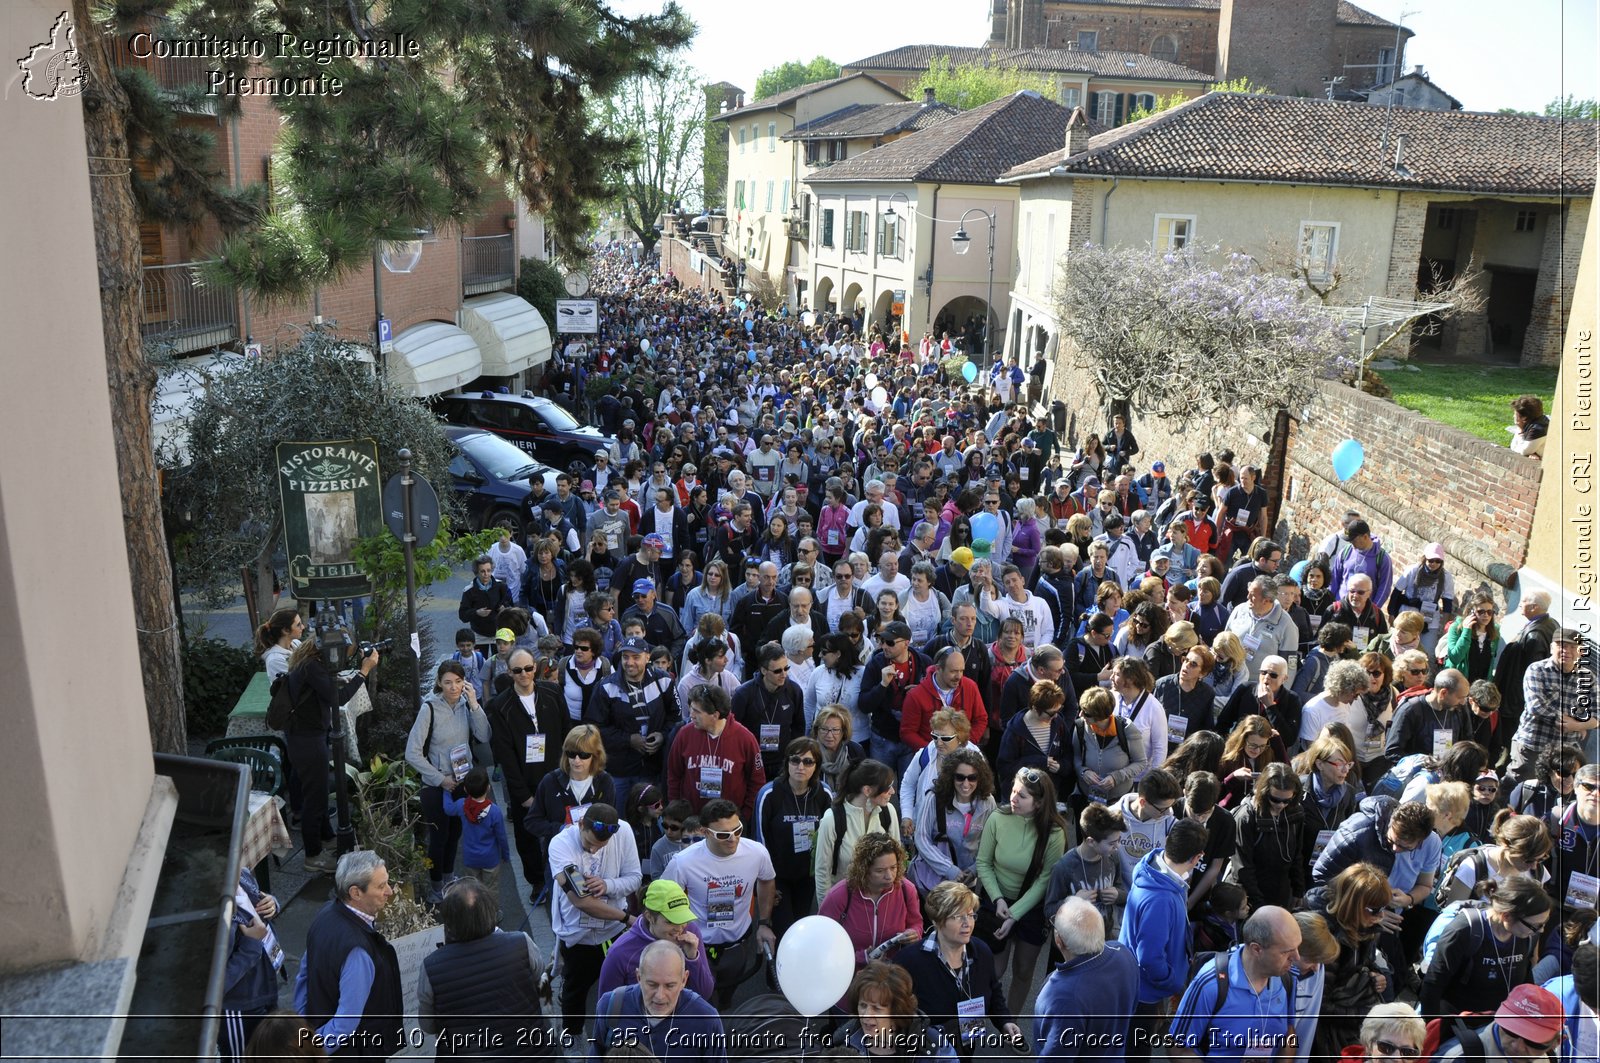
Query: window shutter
{"points": [[1122, 99]]}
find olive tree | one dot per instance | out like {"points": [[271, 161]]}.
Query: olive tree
{"points": [[1182, 336]]}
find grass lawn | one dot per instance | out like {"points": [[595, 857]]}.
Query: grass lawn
{"points": [[1473, 398]]}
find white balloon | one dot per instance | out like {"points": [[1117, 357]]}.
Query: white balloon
{"points": [[815, 964], [808, 319], [872, 381], [644, 345], [880, 397]]}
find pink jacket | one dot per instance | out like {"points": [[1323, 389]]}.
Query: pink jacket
{"points": [[870, 923]]}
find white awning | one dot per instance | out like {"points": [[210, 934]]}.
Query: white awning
{"points": [[173, 403], [434, 357], [510, 332]]}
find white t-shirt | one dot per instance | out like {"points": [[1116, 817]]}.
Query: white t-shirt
{"points": [[1321, 711], [876, 584], [923, 617], [617, 863], [722, 889], [1032, 611], [891, 513]]}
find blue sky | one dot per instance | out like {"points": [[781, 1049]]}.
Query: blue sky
{"points": [[1487, 53]]}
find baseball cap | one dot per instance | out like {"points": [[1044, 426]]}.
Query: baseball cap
{"points": [[1569, 634], [587, 485], [1158, 468], [1531, 1013], [643, 586], [667, 898], [962, 556], [505, 634], [1433, 552], [553, 506], [635, 645], [653, 540], [981, 548], [893, 631]]}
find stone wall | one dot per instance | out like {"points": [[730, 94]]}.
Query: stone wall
{"points": [[1422, 481]]}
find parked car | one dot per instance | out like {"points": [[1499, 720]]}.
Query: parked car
{"points": [[490, 477], [537, 425]]}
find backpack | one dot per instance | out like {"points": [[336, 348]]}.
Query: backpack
{"points": [[1471, 1040], [1395, 779], [1444, 891], [885, 817], [1218, 962], [282, 702], [1442, 921], [1081, 729]]}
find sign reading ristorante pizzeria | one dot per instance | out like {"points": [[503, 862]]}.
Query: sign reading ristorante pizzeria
{"points": [[332, 495]]}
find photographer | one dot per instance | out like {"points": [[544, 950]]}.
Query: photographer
{"points": [[316, 699]]}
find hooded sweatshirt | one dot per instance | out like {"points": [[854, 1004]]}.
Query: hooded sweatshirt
{"points": [[1156, 928], [1141, 838]]}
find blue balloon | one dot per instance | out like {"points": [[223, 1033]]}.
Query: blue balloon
{"points": [[1298, 572], [749, 326], [1348, 458], [969, 372], [985, 525], [752, 357]]}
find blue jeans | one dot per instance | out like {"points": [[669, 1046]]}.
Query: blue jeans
{"points": [[892, 752]]}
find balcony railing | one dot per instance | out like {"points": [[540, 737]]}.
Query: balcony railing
{"points": [[177, 310], [488, 263]]}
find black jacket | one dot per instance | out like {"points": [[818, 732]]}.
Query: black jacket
{"points": [[333, 935], [882, 703], [754, 707], [1361, 839], [509, 730], [1267, 855], [486, 999], [554, 798], [1284, 714], [496, 597]]}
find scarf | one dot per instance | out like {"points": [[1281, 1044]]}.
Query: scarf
{"points": [[834, 767], [475, 809], [1375, 704]]}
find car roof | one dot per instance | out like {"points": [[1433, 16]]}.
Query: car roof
{"points": [[495, 396]]}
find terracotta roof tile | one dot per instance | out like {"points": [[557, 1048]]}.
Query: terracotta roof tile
{"points": [[1234, 137], [872, 120], [973, 147], [1133, 65]]}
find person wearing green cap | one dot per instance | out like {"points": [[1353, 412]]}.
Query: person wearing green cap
{"points": [[667, 917]]}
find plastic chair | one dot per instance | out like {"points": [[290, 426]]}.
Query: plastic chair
{"points": [[271, 744], [266, 773]]}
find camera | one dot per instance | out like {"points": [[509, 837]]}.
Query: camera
{"points": [[381, 646]]}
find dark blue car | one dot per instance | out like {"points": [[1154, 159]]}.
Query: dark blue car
{"points": [[490, 476], [542, 428]]}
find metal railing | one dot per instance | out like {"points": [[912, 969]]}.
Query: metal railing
{"points": [[488, 263], [177, 309]]}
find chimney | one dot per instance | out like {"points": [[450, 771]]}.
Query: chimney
{"points": [[1417, 71], [1400, 141], [927, 97], [1077, 132]]}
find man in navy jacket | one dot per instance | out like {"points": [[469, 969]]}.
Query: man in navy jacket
{"points": [[1087, 1003]]}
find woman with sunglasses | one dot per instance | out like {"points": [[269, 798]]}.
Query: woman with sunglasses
{"points": [[1484, 952], [1391, 1033], [1472, 643], [949, 730], [579, 673], [1269, 862], [579, 782], [950, 821], [1330, 797], [832, 728], [1521, 846], [1353, 904], [786, 815], [1427, 588], [1021, 843], [1552, 784], [440, 748]]}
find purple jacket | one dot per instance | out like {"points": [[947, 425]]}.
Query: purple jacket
{"points": [[1026, 543], [1347, 561], [621, 966]]}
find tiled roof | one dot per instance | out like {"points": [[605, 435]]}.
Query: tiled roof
{"points": [[769, 102], [1234, 137], [1133, 65], [974, 147], [872, 120], [1348, 13]]}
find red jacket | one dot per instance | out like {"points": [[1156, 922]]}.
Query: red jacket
{"points": [[736, 752], [923, 701]]}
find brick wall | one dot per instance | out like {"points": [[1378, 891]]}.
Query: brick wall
{"points": [[1422, 481], [1558, 272], [1125, 29], [1287, 45]]}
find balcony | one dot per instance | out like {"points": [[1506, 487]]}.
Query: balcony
{"points": [[171, 73], [177, 310], [488, 264]]}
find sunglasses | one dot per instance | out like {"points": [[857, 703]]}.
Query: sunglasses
{"points": [[945, 738], [604, 830], [1589, 787], [1280, 801], [1389, 1048], [1376, 673], [1268, 672], [966, 776], [804, 762], [523, 671], [578, 754], [671, 827], [727, 835], [1537, 1046], [1374, 911]]}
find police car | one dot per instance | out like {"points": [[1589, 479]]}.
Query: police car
{"points": [[536, 425]]}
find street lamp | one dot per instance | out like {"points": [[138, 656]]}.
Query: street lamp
{"points": [[961, 243]]}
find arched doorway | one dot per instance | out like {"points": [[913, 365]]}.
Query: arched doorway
{"points": [[854, 302], [824, 297], [963, 318], [883, 314]]}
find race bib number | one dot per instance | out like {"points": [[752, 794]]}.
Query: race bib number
{"points": [[1443, 738], [769, 737], [1361, 633], [721, 904], [460, 761], [971, 1015], [575, 813], [1177, 727], [1251, 643], [711, 781], [834, 537], [533, 749], [1323, 838], [804, 833], [1583, 891]]}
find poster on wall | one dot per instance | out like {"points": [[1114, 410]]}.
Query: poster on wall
{"points": [[332, 496], [577, 315]]}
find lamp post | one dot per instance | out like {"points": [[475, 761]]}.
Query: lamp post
{"points": [[905, 313], [960, 243]]}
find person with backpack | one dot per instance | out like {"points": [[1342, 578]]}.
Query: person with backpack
{"points": [[302, 705], [1552, 785], [1352, 903], [1268, 855], [950, 821], [1155, 926], [1521, 844], [1576, 828], [1527, 1027], [876, 904], [865, 803], [1241, 1002], [440, 748], [1106, 753], [1486, 952]]}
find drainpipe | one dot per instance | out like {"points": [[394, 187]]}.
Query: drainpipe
{"points": [[244, 295], [1104, 201], [933, 249]]}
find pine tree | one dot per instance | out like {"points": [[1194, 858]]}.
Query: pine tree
{"points": [[460, 94]]}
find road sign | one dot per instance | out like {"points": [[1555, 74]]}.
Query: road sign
{"points": [[385, 336], [252, 350], [424, 509]]}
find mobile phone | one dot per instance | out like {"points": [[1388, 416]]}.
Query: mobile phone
{"points": [[575, 881]]}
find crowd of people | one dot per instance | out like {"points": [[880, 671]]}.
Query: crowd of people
{"points": [[828, 629]]}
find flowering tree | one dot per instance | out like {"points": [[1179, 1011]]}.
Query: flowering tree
{"points": [[1183, 335]]}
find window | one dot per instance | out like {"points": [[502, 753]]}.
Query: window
{"points": [[1088, 40], [890, 244], [1050, 251], [1145, 101], [741, 140], [1173, 231], [783, 200], [1319, 246], [1071, 97], [1527, 221], [768, 207], [772, 136], [855, 231], [827, 227], [1164, 48], [738, 195], [1445, 218], [1385, 72], [1105, 108]]}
